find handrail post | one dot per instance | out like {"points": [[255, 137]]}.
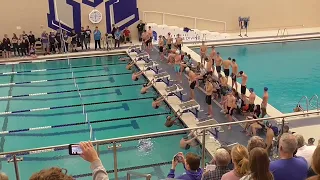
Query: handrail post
{"points": [[16, 168], [203, 148], [195, 23], [115, 160], [98, 149]]}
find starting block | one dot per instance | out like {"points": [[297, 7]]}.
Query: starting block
{"points": [[164, 77], [151, 65], [174, 89], [189, 105], [213, 131]]}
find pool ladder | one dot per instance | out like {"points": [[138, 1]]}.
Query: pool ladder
{"points": [[308, 102], [282, 33]]}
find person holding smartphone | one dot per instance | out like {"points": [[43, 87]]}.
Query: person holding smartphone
{"points": [[89, 154], [191, 164]]}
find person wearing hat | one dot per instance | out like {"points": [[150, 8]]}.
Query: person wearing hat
{"points": [[252, 98], [231, 105], [264, 102]]}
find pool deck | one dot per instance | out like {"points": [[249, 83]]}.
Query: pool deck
{"points": [[226, 137]]}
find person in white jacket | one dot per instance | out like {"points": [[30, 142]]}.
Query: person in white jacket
{"points": [[89, 154]]}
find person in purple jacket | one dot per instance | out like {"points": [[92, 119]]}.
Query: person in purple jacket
{"points": [[191, 164], [289, 167]]}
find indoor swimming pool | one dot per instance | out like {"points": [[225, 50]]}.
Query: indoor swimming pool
{"points": [[50, 103], [290, 70]]}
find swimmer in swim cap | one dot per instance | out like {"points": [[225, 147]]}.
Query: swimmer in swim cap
{"points": [[171, 120], [146, 86], [157, 101], [136, 75], [188, 141], [130, 65], [252, 98]]}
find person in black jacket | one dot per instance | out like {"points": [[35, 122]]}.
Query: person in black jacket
{"points": [[32, 39], [82, 37], [52, 41], [140, 28]]}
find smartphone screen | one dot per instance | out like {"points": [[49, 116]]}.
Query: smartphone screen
{"points": [[74, 149], [177, 158]]}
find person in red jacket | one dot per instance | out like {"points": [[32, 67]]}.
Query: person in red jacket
{"points": [[127, 35]]}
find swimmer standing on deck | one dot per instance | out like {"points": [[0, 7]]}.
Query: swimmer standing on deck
{"points": [[161, 45], [179, 42], [252, 98], [218, 62], [203, 52], [226, 67], [231, 104], [208, 67], [209, 92], [192, 81], [177, 67], [234, 73], [244, 78], [264, 102]]}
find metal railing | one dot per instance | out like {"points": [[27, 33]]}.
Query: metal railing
{"points": [[307, 102], [178, 15], [14, 155], [129, 173], [317, 98]]}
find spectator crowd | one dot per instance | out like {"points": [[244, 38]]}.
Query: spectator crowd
{"points": [[62, 41]]}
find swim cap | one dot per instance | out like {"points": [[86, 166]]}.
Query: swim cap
{"points": [[265, 89], [187, 69], [145, 85], [251, 89], [155, 98], [229, 58], [218, 53], [186, 137], [268, 124], [177, 51]]}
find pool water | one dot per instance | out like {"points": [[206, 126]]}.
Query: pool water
{"points": [[113, 104], [290, 70]]}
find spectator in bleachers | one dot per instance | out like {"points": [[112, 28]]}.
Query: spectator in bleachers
{"points": [[89, 154], [66, 40], [259, 165], [221, 160], [191, 164], [88, 37], [289, 167], [52, 173], [316, 164], [311, 141], [255, 141], [240, 159], [82, 36], [304, 150], [3, 176]]}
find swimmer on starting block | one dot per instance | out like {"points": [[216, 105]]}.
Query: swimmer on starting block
{"points": [[129, 66], [157, 101], [136, 75], [171, 120], [146, 86], [186, 143]]}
